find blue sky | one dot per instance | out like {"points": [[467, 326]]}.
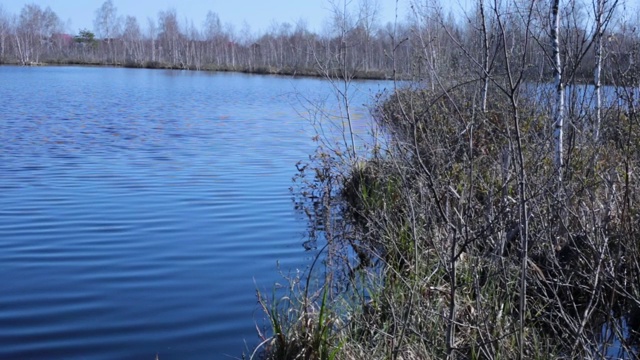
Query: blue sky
{"points": [[259, 14]]}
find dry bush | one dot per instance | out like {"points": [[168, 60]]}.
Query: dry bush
{"points": [[423, 245]]}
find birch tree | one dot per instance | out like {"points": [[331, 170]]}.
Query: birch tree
{"points": [[486, 65], [105, 25], [132, 37], [152, 33], [4, 32], [598, 67], [368, 20], [213, 34], [170, 35], [33, 33], [603, 14], [558, 110]]}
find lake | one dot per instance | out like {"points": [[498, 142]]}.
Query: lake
{"points": [[141, 209]]}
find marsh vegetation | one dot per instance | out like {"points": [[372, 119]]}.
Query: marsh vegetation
{"points": [[496, 216]]}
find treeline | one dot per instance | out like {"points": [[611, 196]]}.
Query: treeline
{"points": [[426, 43], [38, 35]]}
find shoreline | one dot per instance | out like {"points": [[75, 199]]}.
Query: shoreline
{"points": [[270, 70], [310, 73]]}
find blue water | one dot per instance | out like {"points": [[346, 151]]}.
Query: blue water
{"points": [[141, 209]]}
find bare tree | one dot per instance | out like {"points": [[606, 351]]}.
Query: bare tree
{"points": [[599, 12], [4, 32], [132, 38], [429, 33], [106, 25], [230, 46], [340, 63], [486, 65], [193, 50], [33, 32], [368, 13], [170, 35], [152, 33], [213, 36], [603, 10], [558, 111]]}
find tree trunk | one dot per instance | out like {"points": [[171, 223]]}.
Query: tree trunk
{"points": [[485, 56], [558, 111], [598, 69]]}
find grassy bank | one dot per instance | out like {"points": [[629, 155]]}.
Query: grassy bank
{"points": [[422, 251], [260, 70]]}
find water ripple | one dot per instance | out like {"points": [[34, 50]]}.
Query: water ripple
{"points": [[140, 209]]}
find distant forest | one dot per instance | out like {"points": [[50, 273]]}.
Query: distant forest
{"points": [[426, 43]]}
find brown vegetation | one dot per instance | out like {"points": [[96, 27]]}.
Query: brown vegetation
{"points": [[462, 235]]}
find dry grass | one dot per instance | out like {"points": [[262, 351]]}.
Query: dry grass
{"points": [[423, 256]]}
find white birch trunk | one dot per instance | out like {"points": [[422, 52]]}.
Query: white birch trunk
{"points": [[485, 60], [598, 69], [558, 111], [20, 54]]}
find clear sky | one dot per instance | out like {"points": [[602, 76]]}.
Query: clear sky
{"points": [[259, 14]]}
